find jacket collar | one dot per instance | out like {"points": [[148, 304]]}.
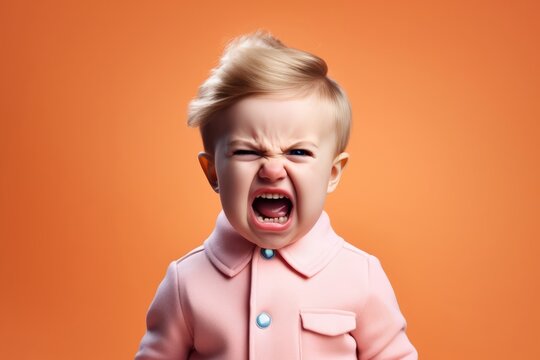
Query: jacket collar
{"points": [[230, 252]]}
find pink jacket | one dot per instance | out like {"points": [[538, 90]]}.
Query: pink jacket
{"points": [[318, 298]]}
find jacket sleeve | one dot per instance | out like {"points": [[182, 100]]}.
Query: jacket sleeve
{"points": [[167, 335], [380, 332]]}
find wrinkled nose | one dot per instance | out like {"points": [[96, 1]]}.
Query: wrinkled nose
{"points": [[272, 170]]}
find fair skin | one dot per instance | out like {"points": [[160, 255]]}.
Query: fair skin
{"points": [[273, 163]]}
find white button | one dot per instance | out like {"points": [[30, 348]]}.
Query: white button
{"points": [[264, 320]]}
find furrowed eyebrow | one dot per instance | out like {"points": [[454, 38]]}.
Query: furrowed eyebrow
{"points": [[302, 144], [241, 143], [255, 145]]}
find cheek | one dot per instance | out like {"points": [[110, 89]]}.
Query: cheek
{"points": [[311, 183], [319, 175], [227, 173], [234, 183]]}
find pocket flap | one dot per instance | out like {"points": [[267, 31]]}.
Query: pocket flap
{"points": [[327, 321]]}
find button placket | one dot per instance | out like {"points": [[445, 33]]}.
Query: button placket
{"points": [[264, 319], [264, 324]]}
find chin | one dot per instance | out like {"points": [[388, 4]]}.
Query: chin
{"points": [[273, 242]]}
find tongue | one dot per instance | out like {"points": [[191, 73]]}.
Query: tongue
{"points": [[272, 208]]}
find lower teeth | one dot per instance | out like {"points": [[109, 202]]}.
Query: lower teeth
{"points": [[279, 220]]}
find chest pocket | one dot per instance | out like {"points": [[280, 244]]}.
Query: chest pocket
{"points": [[325, 334]]}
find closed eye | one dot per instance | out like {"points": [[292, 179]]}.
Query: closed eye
{"points": [[244, 152], [300, 152]]}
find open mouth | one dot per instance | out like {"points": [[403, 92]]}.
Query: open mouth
{"points": [[272, 208]]}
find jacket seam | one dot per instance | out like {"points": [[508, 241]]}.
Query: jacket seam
{"points": [[362, 306], [186, 319]]}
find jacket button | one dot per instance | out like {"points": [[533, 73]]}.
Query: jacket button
{"points": [[263, 320], [267, 253]]}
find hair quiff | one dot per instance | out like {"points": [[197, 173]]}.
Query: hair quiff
{"points": [[260, 64]]}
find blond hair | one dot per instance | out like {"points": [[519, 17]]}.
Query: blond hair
{"points": [[260, 64]]}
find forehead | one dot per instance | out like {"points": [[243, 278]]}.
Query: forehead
{"points": [[278, 118]]}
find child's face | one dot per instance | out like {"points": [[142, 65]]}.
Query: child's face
{"points": [[274, 162]]}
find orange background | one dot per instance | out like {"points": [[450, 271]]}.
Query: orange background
{"points": [[100, 187]]}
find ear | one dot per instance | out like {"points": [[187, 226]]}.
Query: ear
{"points": [[338, 166], [207, 164]]}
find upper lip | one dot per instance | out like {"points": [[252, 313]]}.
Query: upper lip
{"points": [[271, 191]]}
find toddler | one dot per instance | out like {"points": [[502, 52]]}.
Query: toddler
{"points": [[273, 280]]}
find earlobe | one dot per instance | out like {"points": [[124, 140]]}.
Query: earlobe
{"points": [[208, 167], [339, 164]]}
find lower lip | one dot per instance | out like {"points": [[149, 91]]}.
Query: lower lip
{"points": [[269, 226]]}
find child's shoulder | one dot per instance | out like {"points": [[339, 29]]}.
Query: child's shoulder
{"points": [[359, 252], [359, 256], [190, 256]]}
